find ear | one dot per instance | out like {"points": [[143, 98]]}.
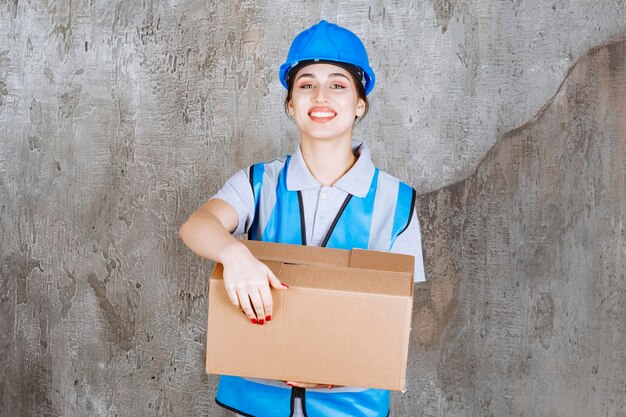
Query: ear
{"points": [[292, 112], [360, 107]]}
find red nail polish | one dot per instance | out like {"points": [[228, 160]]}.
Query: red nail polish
{"points": [[291, 385], [253, 321], [285, 285], [268, 318], [261, 322]]}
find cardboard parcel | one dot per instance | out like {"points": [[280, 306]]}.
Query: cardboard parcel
{"points": [[345, 320]]}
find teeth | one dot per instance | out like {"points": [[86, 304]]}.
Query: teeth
{"points": [[322, 114]]}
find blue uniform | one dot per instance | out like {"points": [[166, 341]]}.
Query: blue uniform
{"points": [[375, 212]]}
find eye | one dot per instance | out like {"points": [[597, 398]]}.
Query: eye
{"points": [[306, 86], [337, 86]]}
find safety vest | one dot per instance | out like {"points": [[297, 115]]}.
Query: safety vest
{"points": [[372, 222]]}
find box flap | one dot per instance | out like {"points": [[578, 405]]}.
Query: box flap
{"points": [[218, 271], [347, 279], [381, 261], [298, 254]]}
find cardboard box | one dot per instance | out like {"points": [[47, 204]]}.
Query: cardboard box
{"points": [[345, 320]]}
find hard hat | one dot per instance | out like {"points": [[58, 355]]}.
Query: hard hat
{"points": [[328, 42]]}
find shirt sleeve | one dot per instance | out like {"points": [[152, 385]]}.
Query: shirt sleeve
{"points": [[237, 192], [409, 242]]}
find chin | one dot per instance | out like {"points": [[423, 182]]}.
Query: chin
{"points": [[327, 135]]}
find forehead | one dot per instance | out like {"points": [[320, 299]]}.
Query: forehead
{"points": [[322, 70]]}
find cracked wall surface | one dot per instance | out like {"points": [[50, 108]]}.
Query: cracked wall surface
{"points": [[118, 119], [524, 315]]}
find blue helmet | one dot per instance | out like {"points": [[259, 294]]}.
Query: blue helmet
{"points": [[328, 42]]}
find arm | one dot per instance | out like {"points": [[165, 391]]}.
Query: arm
{"points": [[247, 280], [207, 233], [409, 242]]}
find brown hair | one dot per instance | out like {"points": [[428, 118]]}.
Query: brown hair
{"points": [[355, 74]]}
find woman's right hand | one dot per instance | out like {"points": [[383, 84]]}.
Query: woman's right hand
{"points": [[208, 233], [248, 281]]}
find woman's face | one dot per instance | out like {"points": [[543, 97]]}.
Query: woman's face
{"points": [[324, 102]]}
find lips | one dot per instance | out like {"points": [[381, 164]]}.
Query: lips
{"points": [[322, 114]]}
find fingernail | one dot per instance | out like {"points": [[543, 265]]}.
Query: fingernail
{"points": [[268, 318], [285, 285], [290, 384], [261, 322], [253, 321]]}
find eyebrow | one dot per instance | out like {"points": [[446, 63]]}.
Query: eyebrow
{"points": [[334, 74]]}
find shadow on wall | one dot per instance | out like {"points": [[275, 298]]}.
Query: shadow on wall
{"points": [[526, 257]]}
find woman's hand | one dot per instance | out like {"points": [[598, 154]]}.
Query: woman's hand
{"points": [[248, 281], [310, 385]]}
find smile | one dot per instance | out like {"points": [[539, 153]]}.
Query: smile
{"points": [[322, 114]]}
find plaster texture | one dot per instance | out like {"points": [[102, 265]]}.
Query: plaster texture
{"points": [[524, 313], [118, 119]]}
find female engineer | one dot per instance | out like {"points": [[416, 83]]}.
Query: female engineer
{"points": [[328, 193]]}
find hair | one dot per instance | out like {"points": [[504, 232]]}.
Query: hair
{"points": [[355, 72]]}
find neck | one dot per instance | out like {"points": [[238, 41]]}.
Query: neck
{"points": [[328, 160]]}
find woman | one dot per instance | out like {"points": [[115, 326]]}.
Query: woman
{"points": [[328, 193]]}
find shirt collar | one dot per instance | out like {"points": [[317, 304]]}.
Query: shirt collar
{"points": [[356, 181]]}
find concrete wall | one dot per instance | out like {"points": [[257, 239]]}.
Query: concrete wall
{"points": [[117, 119], [525, 313]]}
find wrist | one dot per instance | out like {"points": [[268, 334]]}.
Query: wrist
{"points": [[232, 252]]}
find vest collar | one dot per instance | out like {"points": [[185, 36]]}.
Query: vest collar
{"points": [[356, 181]]}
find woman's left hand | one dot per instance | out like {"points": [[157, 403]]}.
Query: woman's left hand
{"points": [[310, 385]]}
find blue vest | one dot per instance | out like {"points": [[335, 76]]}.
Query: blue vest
{"points": [[372, 222]]}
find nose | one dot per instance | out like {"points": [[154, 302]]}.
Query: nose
{"points": [[321, 96]]}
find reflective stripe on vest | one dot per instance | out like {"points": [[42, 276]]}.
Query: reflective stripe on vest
{"points": [[372, 222]]}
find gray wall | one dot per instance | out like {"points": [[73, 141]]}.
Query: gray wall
{"points": [[119, 119]]}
